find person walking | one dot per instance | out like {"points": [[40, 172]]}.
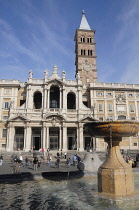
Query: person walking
{"points": [[69, 162], [35, 162], [58, 162]]}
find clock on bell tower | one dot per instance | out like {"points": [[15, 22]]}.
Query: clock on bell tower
{"points": [[85, 52]]}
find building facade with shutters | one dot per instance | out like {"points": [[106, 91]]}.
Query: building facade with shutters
{"points": [[51, 112]]}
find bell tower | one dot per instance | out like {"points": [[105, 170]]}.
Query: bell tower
{"points": [[85, 52]]}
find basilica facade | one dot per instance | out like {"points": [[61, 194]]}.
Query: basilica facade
{"points": [[51, 112]]}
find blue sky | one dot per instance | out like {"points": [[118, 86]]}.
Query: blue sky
{"points": [[37, 34]]}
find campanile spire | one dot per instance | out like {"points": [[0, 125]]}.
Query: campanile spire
{"points": [[85, 52], [84, 24]]}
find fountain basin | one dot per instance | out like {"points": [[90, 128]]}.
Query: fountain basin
{"points": [[115, 176], [122, 128]]}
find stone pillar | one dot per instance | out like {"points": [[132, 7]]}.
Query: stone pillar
{"points": [[47, 138], [64, 99], [10, 138], [45, 98], [27, 138], [44, 137], [60, 138], [29, 98], [48, 98], [65, 140], [80, 143], [60, 98]]}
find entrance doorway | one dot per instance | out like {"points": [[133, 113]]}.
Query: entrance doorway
{"points": [[88, 143], [19, 138], [36, 143], [54, 138], [36, 138], [72, 138]]}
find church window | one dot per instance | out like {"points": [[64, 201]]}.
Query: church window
{"points": [[82, 39], [82, 52], [54, 97], [90, 52], [89, 40], [38, 100], [71, 101]]}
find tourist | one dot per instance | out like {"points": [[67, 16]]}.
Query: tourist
{"points": [[57, 162], [26, 161], [48, 150], [65, 155], [61, 154], [35, 162], [137, 157], [58, 154], [1, 161], [130, 162], [21, 159], [17, 169], [69, 162], [39, 162], [78, 158], [75, 160]]}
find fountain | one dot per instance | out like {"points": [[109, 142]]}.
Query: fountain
{"points": [[115, 176]]}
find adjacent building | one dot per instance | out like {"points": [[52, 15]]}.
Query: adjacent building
{"points": [[51, 112]]}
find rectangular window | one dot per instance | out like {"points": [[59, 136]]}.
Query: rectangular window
{"points": [[130, 94], [5, 117], [6, 105], [131, 108], [135, 144], [100, 107], [4, 133], [110, 107], [99, 93], [109, 94], [101, 118]]}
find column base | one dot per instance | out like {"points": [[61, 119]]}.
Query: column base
{"points": [[81, 149]]}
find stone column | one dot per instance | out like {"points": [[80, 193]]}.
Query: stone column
{"points": [[48, 98], [80, 144], [44, 137], [45, 98], [47, 138], [64, 99], [60, 98], [60, 138], [65, 143], [27, 138], [10, 138]]}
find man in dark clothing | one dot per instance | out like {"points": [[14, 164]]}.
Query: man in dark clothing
{"points": [[57, 162], [35, 162]]}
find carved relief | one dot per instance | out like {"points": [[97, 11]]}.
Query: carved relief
{"points": [[120, 98]]}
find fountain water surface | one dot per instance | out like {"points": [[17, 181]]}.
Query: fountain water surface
{"points": [[115, 176]]}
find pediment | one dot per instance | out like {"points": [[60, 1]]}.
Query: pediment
{"points": [[54, 117], [57, 82], [19, 117], [88, 118]]}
